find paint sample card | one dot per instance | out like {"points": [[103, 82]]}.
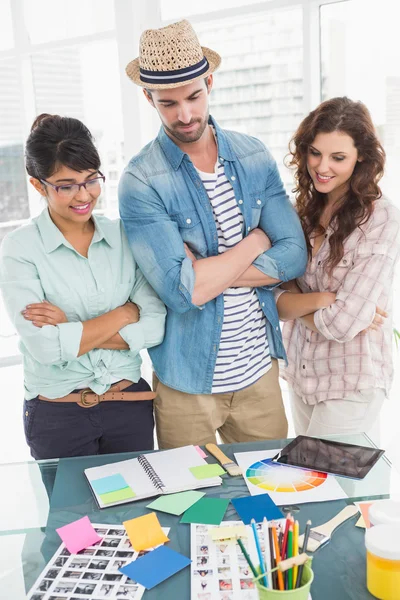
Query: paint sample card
{"points": [[206, 510], [284, 484], [176, 504], [257, 507], [78, 535], [145, 532], [207, 471], [155, 567], [94, 572]]}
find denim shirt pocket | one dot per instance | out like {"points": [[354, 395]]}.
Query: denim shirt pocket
{"points": [[191, 230], [257, 201]]}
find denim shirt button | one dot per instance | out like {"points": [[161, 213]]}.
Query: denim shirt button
{"points": [[277, 328], [188, 221], [258, 201], [240, 201], [221, 159], [233, 178], [249, 229]]}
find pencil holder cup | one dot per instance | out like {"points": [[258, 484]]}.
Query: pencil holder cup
{"points": [[301, 593]]}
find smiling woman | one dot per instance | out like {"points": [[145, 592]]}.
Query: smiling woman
{"points": [[80, 305], [338, 333]]}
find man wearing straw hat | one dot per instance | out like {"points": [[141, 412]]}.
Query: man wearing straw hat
{"points": [[212, 229]]}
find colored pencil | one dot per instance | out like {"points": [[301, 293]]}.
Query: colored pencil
{"points": [[267, 553], [247, 557], [274, 579], [295, 550], [285, 536], [259, 553], [278, 559], [306, 536], [289, 555]]}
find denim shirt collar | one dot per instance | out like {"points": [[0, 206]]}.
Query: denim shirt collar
{"points": [[53, 238], [175, 155]]}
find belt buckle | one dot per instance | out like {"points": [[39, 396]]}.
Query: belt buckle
{"points": [[87, 403]]}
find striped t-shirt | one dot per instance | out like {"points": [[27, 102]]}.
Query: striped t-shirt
{"points": [[243, 355]]}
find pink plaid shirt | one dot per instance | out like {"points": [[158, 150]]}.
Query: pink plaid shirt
{"points": [[340, 359]]}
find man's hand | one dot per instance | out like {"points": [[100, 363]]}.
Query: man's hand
{"points": [[378, 320], [44, 313], [261, 239], [189, 253]]}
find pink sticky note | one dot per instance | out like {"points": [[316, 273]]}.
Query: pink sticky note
{"points": [[78, 535], [201, 452]]}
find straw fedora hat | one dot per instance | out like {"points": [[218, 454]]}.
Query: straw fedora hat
{"points": [[171, 57]]}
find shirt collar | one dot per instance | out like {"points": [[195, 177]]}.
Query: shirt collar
{"points": [[175, 155], [53, 238]]}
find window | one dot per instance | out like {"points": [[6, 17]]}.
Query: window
{"points": [[83, 82], [360, 62], [13, 190], [258, 89], [47, 21], [6, 31], [178, 9]]}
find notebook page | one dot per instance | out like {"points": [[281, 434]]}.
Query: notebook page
{"points": [[133, 474], [172, 466]]}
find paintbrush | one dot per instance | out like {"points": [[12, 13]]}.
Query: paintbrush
{"points": [[319, 536], [228, 464]]}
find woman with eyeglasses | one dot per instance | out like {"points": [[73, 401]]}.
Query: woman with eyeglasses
{"points": [[80, 305]]}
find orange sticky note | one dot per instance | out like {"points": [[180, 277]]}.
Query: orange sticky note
{"points": [[145, 532]]}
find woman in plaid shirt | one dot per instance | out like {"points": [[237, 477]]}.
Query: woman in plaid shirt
{"points": [[338, 329]]}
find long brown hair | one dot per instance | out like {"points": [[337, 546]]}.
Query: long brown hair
{"points": [[357, 204]]}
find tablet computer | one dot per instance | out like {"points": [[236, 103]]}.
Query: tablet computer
{"points": [[338, 458]]}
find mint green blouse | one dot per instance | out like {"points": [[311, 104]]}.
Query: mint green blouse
{"points": [[37, 263]]}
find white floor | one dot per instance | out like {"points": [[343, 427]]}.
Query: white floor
{"points": [[13, 447]]}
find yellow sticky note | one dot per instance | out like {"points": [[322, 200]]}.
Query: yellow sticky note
{"points": [[145, 532], [228, 533], [361, 523]]}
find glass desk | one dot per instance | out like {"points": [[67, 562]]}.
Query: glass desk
{"points": [[28, 520]]}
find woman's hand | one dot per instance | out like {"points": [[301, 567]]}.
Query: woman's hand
{"points": [[325, 299], [44, 313], [131, 312], [378, 320]]}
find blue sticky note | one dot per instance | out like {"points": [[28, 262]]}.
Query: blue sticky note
{"points": [[155, 566], [257, 507], [111, 483]]}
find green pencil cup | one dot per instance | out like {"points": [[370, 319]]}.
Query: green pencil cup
{"points": [[301, 593]]}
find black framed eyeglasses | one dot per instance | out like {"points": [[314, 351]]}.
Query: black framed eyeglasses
{"points": [[68, 191]]}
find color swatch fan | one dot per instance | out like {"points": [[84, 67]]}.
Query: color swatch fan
{"points": [[286, 485], [273, 477]]}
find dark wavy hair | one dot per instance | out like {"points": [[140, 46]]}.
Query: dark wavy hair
{"points": [[357, 204], [56, 141]]}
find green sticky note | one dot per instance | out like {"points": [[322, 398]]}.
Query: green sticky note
{"points": [[176, 504], [125, 494], [209, 511], [207, 471]]}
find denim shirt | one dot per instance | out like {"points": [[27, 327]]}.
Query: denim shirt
{"points": [[163, 203]]}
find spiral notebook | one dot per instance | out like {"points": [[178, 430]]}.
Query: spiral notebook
{"points": [[149, 475]]}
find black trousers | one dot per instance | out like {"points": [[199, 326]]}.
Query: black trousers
{"points": [[63, 429]]}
